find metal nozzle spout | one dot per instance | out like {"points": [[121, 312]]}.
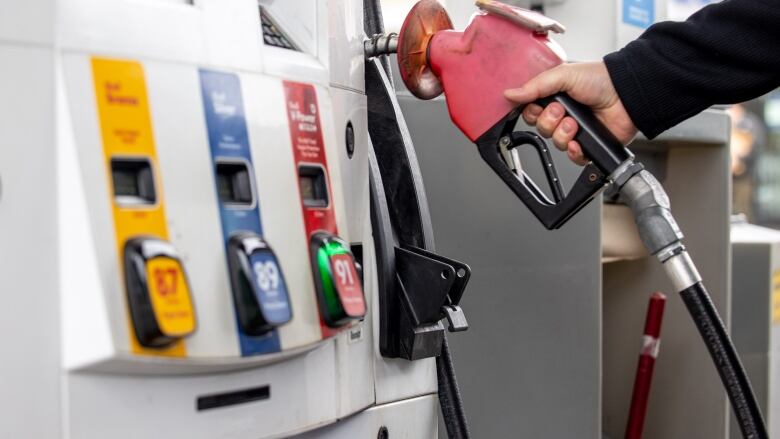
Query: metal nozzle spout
{"points": [[381, 45]]}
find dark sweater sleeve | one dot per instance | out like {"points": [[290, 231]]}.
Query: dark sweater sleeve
{"points": [[726, 53]]}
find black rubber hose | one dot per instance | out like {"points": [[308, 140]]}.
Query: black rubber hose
{"points": [[726, 360], [449, 396]]}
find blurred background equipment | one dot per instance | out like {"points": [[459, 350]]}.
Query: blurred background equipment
{"points": [[748, 143], [756, 312]]}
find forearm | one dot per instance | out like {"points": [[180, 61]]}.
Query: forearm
{"points": [[726, 53]]}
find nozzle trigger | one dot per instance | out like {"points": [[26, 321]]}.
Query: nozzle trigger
{"points": [[498, 147]]}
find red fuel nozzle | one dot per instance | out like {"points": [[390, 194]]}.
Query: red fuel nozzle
{"points": [[502, 47], [425, 19]]}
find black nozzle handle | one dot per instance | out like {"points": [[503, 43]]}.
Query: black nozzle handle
{"points": [[551, 213], [599, 145]]}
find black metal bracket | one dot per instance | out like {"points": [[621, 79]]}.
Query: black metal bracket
{"points": [[417, 288], [430, 289]]}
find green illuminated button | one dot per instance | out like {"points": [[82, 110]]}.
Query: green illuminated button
{"points": [[339, 288]]}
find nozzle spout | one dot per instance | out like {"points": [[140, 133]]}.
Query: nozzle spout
{"points": [[381, 45]]}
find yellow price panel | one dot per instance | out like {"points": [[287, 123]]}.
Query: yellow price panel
{"points": [[136, 190]]}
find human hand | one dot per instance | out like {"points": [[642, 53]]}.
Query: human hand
{"points": [[589, 84]]}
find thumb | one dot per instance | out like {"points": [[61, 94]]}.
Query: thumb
{"points": [[546, 84]]}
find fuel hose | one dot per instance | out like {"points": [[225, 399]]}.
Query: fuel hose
{"points": [[449, 395], [726, 360], [662, 237]]}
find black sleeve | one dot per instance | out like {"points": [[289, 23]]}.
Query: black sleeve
{"points": [[726, 53]]}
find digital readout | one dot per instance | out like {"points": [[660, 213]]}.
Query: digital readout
{"points": [[314, 189], [125, 182], [234, 185], [133, 181]]}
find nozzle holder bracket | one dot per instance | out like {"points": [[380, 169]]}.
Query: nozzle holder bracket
{"points": [[430, 289], [417, 288]]}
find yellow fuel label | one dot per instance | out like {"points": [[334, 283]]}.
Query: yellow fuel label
{"points": [[170, 297], [126, 132]]}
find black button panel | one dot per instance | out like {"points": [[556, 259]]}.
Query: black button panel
{"points": [[259, 289]]}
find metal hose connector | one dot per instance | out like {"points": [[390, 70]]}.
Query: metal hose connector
{"points": [[381, 44]]}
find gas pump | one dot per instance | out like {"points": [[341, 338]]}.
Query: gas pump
{"points": [[230, 250], [501, 48]]}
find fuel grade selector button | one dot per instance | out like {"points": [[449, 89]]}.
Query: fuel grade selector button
{"points": [[158, 293], [339, 287], [259, 290]]}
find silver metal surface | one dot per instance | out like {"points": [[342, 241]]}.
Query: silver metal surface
{"points": [[681, 271], [516, 163], [511, 156], [618, 173], [381, 45], [648, 200], [667, 252]]}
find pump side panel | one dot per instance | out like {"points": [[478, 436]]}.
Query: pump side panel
{"points": [[29, 317]]}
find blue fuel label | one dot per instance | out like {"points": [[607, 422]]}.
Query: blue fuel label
{"points": [[234, 182], [271, 288]]}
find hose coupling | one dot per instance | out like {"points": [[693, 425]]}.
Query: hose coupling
{"points": [[652, 211], [381, 44]]}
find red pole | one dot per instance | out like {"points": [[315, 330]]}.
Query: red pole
{"points": [[651, 342]]}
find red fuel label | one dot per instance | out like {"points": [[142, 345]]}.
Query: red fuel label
{"points": [[309, 151], [348, 285], [311, 164]]}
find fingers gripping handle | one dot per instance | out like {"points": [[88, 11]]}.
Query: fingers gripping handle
{"points": [[598, 144], [604, 151]]}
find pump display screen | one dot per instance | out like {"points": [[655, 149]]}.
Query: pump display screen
{"points": [[133, 181], [125, 183], [314, 189], [307, 188], [233, 183]]}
